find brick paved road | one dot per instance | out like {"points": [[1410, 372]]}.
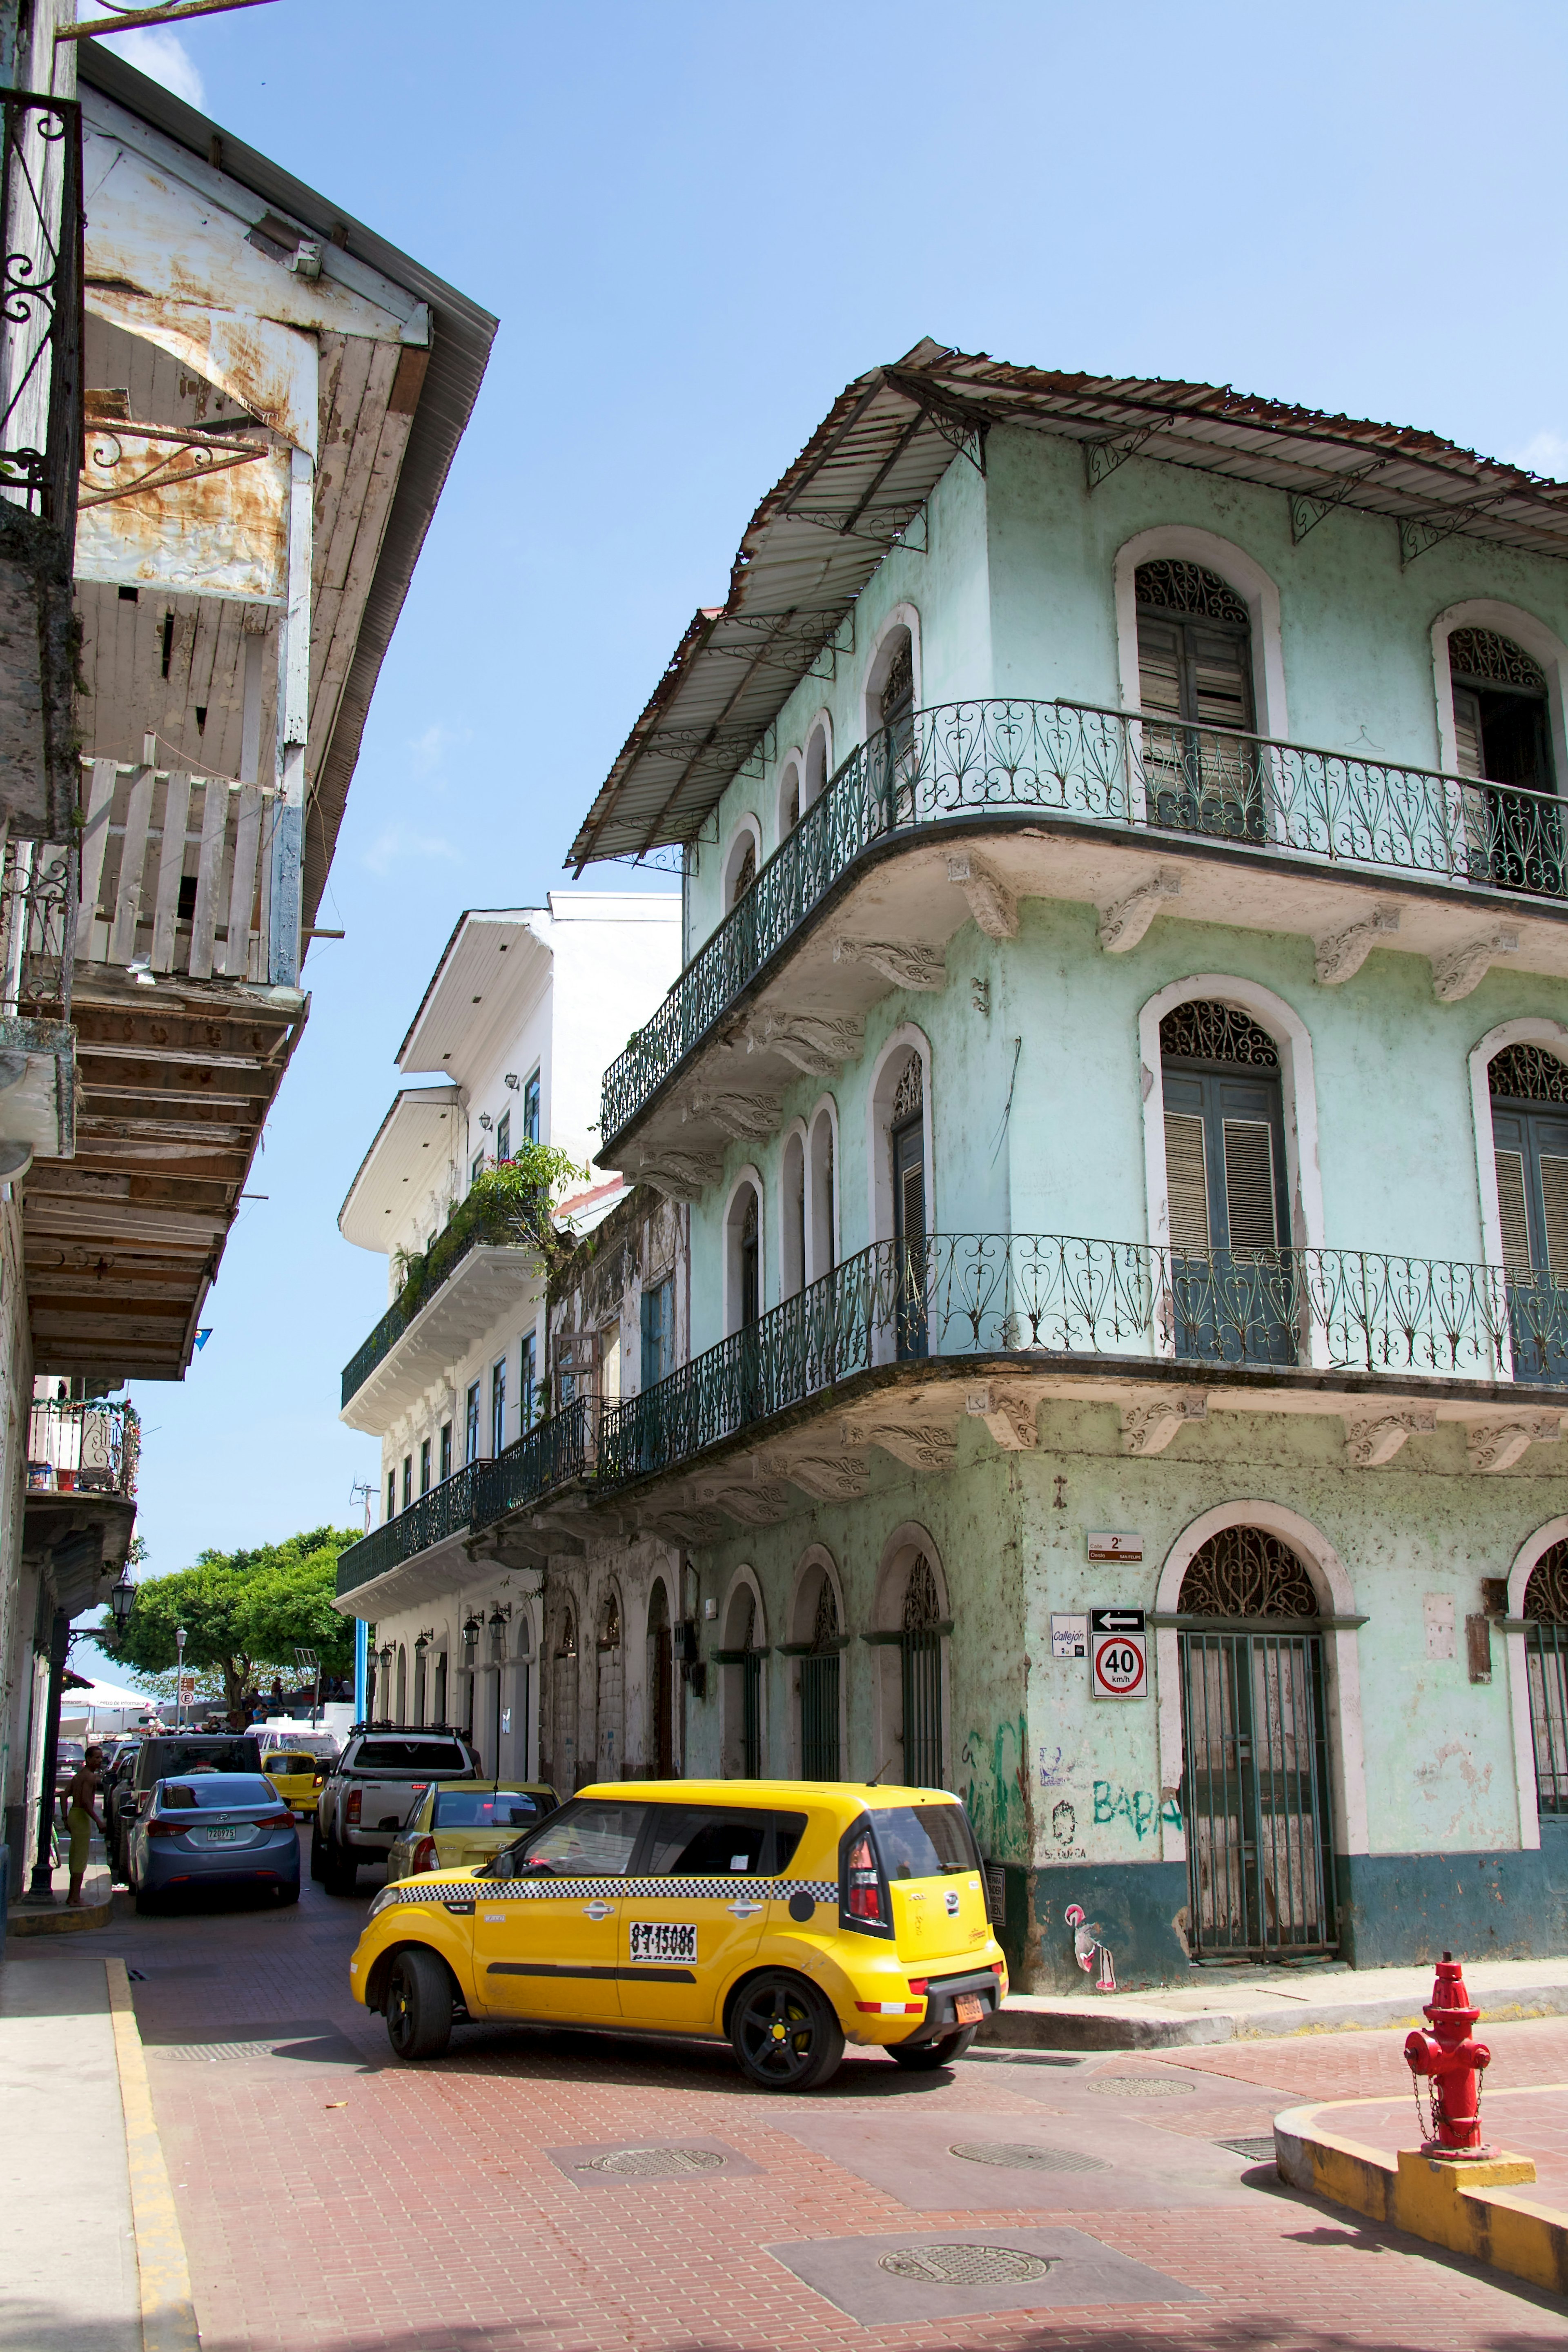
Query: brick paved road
{"points": [[334, 2200]]}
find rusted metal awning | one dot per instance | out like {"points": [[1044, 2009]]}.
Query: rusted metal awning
{"points": [[862, 479]]}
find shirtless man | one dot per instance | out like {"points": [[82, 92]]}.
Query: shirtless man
{"points": [[82, 1819]]}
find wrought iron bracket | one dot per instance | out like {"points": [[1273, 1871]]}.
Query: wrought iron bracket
{"points": [[1427, 531], [1307, 507], [161, 475], [1101, 459]]}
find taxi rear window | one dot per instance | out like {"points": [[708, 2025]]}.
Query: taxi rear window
{"points": [[704, 1842], [288, 1764], [490, 1808], [923, 1840]]}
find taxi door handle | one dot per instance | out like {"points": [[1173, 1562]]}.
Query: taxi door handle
{"points": [[745, 1910], [598, 1910]]}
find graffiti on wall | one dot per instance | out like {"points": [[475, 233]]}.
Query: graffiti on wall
{"points": [[997, 1793], [1087, 1947], [1141, 1808]]}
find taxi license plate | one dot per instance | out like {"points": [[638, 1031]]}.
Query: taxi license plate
{"points": [[968, 2008], [222, 1837], [662, 1939]]}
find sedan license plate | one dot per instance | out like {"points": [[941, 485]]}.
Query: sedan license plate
{"points": [[662, 1939], [222, 1837], [968, 2008]]}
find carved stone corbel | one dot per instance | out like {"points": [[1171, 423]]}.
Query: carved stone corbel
{"points": [[1009, 1417], [815, 1042], [992, 904], [1494, 1445], [682, 1175], [1149, 1428], [754, 1505], [1341, 954], [1374, 1438], [919, 1446], [1123, 924], [900, 962], [741, 1115], [1456, 975], [689, 1527], [830, 1477]]}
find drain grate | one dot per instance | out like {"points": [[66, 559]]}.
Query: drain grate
{"points": [[1138, 2086], [1022, 2156], [1260, 2150], [965, 2265], [655, 2163], [210, 2054]]}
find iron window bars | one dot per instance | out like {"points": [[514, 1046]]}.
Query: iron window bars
{"points": [[1125, 770]]}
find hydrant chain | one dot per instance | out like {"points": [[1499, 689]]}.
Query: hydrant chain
{"points": [[1453, 2062]]}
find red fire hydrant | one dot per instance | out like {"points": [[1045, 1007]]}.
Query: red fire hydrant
{"points": [[1454, 2060]]}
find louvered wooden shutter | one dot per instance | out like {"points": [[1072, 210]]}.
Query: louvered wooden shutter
{"points": [[1249, 1184], [1510, 1207], [912, 1203], [1467, 731], [1221, 686], [1555, 1202], [1186, 1183], [1159, 665]]}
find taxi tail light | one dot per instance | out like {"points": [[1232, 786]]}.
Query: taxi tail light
{"points": [[425, 1856], [920, 1984], [865, 1903], [354, 1805]]}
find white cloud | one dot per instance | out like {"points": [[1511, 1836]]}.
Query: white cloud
{"points": [[1545, 453], [153, 50], [431, 749], [397, 843]]}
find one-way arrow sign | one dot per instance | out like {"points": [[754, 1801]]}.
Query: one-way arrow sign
{"points": [[1117, 1621]]}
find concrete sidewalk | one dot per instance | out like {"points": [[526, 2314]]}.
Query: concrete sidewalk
{"points": [[67, 2251], [1244, 2004]]}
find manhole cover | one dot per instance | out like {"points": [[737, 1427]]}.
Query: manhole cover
{"points": [[1257, 2151], [1138, 2086], [655, 2163], [1019, 2155], [965, 2265]]}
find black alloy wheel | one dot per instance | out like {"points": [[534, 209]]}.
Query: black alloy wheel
{"points": [[925, 2057], [340, 1871], [785, 2034], [419, 2004]]}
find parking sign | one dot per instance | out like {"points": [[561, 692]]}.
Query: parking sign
{"points": [[1119, 1653]]}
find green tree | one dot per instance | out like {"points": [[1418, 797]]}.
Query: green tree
{"points": [[241, 1610]]}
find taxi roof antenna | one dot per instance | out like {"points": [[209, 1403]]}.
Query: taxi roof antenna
{"points": [[878, 1773]]}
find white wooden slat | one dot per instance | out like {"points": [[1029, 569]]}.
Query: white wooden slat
{"points": [[133, 856], [214, 814], [170, 866], [94, 841], [242, 887]]}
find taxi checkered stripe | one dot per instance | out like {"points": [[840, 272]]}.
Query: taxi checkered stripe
{"points": [[640, 1890]]}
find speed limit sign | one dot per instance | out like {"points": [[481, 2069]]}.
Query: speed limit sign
{"points": [[1119, 1653]]}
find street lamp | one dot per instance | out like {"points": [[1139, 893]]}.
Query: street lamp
{"points": [[122, 1600], [179, 1678], [473, 1626], [384, 1654], [500, 1616]]}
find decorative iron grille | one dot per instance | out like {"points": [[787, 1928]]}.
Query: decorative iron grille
{"points": [[39, 908], [41, 307], [88, 1448], [1246, 1572], [1171, 586], [920, 1659], [1203, 1030], [1546, 1593], [1127, 771], [1528, 1073], [1490, 660], [1546, 1675], [908, 1094], [819, 1677]]}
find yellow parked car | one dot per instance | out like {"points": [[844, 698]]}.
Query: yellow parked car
{"points": [[297, 1774], [788, 1917], [466, 1823]]}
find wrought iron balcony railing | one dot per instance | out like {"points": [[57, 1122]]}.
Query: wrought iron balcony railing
{"points": [[967, 1294], [83, 1449], [39, 917], [41, 307], [445, 1510], [442, 1261], [1122, 769]]}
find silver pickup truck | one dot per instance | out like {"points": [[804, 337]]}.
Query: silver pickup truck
{"points": [[379, 1777]]}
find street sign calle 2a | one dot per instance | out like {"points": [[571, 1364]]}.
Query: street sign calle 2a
{"points": [[1119, 1653]]}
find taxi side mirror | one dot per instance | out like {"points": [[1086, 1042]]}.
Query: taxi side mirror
{"points": [[503, 1866]]}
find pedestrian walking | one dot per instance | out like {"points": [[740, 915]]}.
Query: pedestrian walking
{"points": [[82, 1819]]}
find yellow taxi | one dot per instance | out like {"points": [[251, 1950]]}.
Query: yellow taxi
{"points": [[297, 1774], [788, 1917], [458, 1824]]}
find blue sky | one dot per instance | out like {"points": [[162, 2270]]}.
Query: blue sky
{"points": [[696, 224]]}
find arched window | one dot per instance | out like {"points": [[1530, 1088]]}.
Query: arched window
{"points": [[751, 1261], [791, 1216], [744, 1256], [662, 1681], [1225, 1180], [402, 1682], [741, 865], [821, 1752], [919, 1661], [1194, 664], [611, 1688], [1529, 1089], [1546, 1668], [790, 803], [907, 1141], [741, 1659], [1503, 734], [564, 1774], [1256, 1798], [822, 1224], [818, 764]]}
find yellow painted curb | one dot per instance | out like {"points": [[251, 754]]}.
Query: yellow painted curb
{"points": [[59, 1921], [1469, 2208], [168, 2315]]}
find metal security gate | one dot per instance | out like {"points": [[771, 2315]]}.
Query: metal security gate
{"points": [[1546, 1668], [1260, 1848], [919, 1657], [819, 1756]]}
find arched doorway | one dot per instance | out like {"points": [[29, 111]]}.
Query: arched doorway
{"points": [[919, 1662], [1194, 666], [820, 1681], [611, 1689], [1256, 1801], [1502, 735], [741, 1660], [1529, 1089], [1546, 1672], [1227, 1185], [402, 1716], [661, 1682], [564, 1774]]}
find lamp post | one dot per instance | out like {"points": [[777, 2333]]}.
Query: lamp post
{"points": [[123, 1599], [500, 1618], [179, 1678], [473, 1626], [385, 1654]]}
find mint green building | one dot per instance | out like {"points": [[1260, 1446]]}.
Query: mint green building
{"points": [[1118, 1088]]}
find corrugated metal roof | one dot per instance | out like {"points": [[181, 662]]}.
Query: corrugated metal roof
{"points": [[866, 471]]}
